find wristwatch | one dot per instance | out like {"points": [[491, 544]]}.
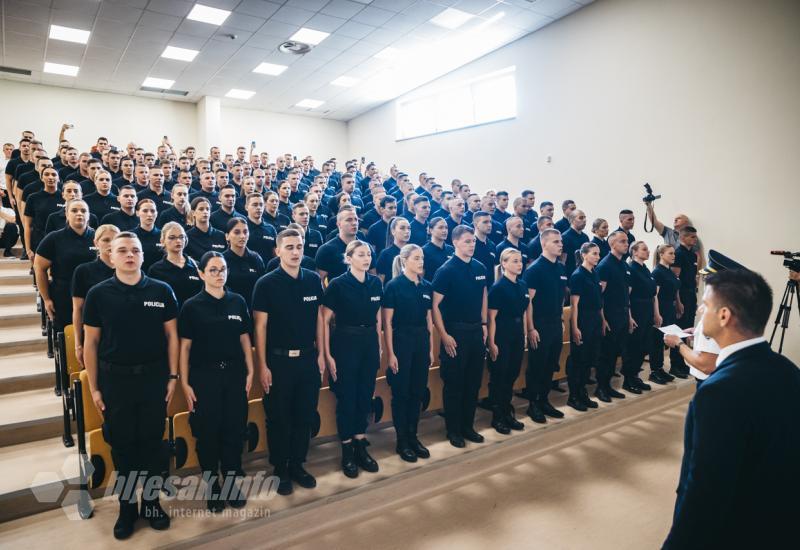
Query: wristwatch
{"points": [[174, 376]]}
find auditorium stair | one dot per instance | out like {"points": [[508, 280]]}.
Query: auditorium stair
{"points": [[33, 458]]}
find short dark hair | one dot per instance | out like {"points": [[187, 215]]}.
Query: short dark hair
{"points": [[566, 203], [687, 230], [625, 212], [746, 294], [207, 258], [527, 192], [459, 231], [420, 198], [386, 200], [501, 194], [545, 204], [480, 214], [286, 233]]}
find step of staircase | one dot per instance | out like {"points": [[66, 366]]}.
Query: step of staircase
{"points": [[28, 416], [22, 339], [16, 275], [26, 371], [19, 315], [18, 294], [14, 263]]}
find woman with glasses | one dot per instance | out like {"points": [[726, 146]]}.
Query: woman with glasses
{"points": [[216, 364], [176, 269]]}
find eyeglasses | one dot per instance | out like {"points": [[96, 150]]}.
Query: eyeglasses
{"points": [[214, 271]]}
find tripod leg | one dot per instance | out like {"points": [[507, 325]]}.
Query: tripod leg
{"points": [[779, 315], [791, 289]]}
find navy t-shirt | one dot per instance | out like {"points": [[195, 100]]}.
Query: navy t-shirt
{"points": [[462, 284], [410, 302], [586, 284], [549, 282], [354, 303]]}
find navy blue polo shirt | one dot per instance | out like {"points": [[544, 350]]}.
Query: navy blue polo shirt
{"points": [[162, 200], [435, 257], [58, 220], [354, 303], [171, 215], [213, 198], [419, 232], [131, 319], [562, 225], [643, 287], [151, 246], [668, 285], [616, 275], [39, 206], [686, 260], [376, 235], [508, 244], [409, 301], [123, 221], [214, 326], [199, 242], [319, 222], [500, 216], [462, 284], [243, 272], [184, 281], [330, 257], [278, 221], [66, 250], [549, 282], [219, 219], [452, 224], [100, 205], [485, 253], [586, 284], [510, 300], [572, 242], [535, 248], [602, 244], [262, 239], [312, 242], [291, 305], [87, 275], [385, 260]]}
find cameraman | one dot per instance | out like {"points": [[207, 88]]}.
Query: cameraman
{"points": [[672, 236]]}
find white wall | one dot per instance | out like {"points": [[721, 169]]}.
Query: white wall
{"points": [[698, 98], [279, 134], [120, 118]]}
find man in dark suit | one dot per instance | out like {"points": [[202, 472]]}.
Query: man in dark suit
{"points": [[739, 482]]}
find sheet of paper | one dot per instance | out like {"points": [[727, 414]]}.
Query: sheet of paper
{"points": [[674, 329]]}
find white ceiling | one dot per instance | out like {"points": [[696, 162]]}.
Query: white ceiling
{"points": [[128, 37]]}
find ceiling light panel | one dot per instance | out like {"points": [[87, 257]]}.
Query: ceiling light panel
{"points": [[162, 83], [57, 68], [181, 54], [270, 69], [451, 18], [207, 14], [68, 34], [309, 103], [309, 36], [345, 81], [235, 93]]}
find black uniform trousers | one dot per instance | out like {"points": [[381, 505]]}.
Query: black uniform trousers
{"points": [[220, 416], [462, 376], [412, 347], [586, 355], [689, 301], [62, 302], [639, 340], [134, 421], [613, 346], [656, 351], [9, 236], [290, 406], [503, 372], [357, 355], [539, 376]]}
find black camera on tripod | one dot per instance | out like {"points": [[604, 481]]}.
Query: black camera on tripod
{"points": [[791, 260], [650, 197]]}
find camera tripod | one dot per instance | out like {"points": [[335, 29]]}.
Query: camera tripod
{"points": [[784, 309]]}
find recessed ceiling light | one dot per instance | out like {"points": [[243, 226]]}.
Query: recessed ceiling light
{"points": [[240, 94], [69, 34], [162, 83], [309, 36], [181, 54], [451, 18], [207, 14], [57, 68], [309, 103], [270, 68], [388, 53], [345, 81]]}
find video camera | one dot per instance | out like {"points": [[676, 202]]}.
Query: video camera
{"points": [[650, 197], [791, 260]]}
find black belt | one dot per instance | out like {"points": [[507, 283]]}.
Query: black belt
{"points": [[356, 329], [462, 326], [299, 352], [219, 365], [151, 367]]}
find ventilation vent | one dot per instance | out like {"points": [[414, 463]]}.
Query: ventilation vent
{"points": [[14, 70], [160, 91], [294, 48]]}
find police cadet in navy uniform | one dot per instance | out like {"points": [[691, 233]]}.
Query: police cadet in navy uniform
{"points": [[61, 252], [397, 237], [668, 305], [306, 263], [436, 250], [216, 364], [245, 267], [149, 235], [573, 238], [615, 280], [485, 249], [352, 352], [460, 316], [644, 310], [508, 304], [86, 276], [685, 267], [408, 330], [176, 269], [132, 379], [586, 326], [262, 235], [535, 246], [330, 256], [547, 283], [203, 237], [600, 230], [288, 338], [515, 229]]}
